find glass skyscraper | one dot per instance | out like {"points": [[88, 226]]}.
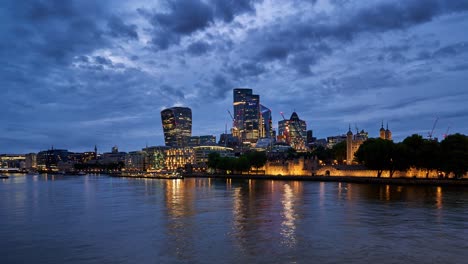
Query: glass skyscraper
{"points": [[294, 131], [267, 123], [247, 117], [177, 126]]}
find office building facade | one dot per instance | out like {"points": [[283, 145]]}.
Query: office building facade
{"points": [[293, 132], [247, 117], [177, 126]]}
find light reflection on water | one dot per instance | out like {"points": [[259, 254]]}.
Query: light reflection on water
{"points": [[98, 219], [288, 227]]}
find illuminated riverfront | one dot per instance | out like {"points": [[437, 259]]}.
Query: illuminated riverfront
{"points": [[233, 131]]}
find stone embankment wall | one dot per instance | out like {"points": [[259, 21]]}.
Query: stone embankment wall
{"points": [[298, 167], [341, 172]]}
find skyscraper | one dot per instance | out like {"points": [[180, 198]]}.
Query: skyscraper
{"points": [[294, 131], [267, 123], [177, 126], [247, 117]]}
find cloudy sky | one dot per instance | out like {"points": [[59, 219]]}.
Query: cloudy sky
{"points": [[78, 73]]}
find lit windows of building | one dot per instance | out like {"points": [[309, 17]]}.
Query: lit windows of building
{"points": [[136, 161], [177, 126], [247, 118], [267, 123], [12, 161], [156, 158], [293, 132], [48, 160], [31, 161], [205, 140], [176, 158], [201, 153]]}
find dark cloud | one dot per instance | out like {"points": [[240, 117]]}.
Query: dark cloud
{"points": [[395, 15], [246, 69], [40, 37], [183, 18], [102, 60], [221, 86], [118, 29], [459, 67], [228, 9], [172, 92], [274, 51], [82, 67], [451, 50], [285, 38], [198, 48]]}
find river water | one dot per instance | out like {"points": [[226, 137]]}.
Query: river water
{"points": [[101, 219]]}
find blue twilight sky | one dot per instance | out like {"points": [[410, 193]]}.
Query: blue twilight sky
{"points": [[78, 73]]}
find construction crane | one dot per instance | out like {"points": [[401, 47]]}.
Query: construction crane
{"points": [[230, 115], [446, 132], [233, 120], [433, 127]]}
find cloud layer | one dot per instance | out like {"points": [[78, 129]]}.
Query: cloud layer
{"points": [[79, 73]]}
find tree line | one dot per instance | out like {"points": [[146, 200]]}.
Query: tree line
{"points": [[239, 164], [448, 156]]}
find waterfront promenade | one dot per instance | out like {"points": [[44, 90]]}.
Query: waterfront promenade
{"points": [[350, 179]]}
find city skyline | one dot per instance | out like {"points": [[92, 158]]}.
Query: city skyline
{"points": [[79, 74]]}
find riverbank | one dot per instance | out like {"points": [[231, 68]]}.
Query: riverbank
{"points": [[350, 179], [365, 180]]}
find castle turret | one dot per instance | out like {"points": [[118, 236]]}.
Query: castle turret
{"points": [[388, 133], [349, 146], [382, 132]]}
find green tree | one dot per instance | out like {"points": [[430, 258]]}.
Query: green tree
{"points": [[376, 154], [242, 164], [430, 156], [257, 159], [323, 154], [454, 153], [399, 158], [339, 151], [422, 153], [415, 145], [213, 160]]}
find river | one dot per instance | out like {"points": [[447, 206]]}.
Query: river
{"points": [[101, 219]]}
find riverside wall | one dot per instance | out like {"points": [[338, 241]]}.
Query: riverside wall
{"points": [[350, 171], [309, 167]]}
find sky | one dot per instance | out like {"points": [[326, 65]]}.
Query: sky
{"points": [[81, 73]]}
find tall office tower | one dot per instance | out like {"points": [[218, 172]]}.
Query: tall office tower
{"points": [[267, 123], [247, 117], [177, 126], [294, 131], [310, 136]]}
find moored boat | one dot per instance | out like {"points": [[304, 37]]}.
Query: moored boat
{"points": [[4, 176]]}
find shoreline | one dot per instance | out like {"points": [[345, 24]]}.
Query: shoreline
{"points": [[349, 179]]}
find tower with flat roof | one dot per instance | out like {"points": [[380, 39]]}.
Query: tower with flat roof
{"points": [[177, 126]]}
